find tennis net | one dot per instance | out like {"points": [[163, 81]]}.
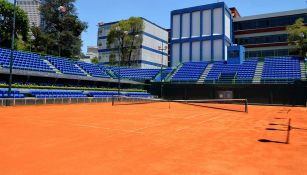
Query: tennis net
{"points": [[209, 103]]}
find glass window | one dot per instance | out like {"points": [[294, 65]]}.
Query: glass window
{"points": [[269, 22], [262, 39]]}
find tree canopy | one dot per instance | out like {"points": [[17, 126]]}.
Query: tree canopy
{"points": [[125, 39], [60, 33], [297, 37], [6, 27]]}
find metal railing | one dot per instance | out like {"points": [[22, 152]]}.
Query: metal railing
{"points": [[45, 101]]}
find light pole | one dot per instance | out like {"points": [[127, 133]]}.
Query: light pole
{"points": [[162, 49], [12, 53], [302, 36], [120, 45], [61, 10]]}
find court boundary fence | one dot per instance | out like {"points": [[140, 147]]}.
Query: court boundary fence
{"points": [[45, 101]]}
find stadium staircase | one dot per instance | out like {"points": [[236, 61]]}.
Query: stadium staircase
{"points": [[170, 76], [303, 66], [227, 78], [111, 74], [52, 66], [87, 74], [204, 75], [258, 72]]}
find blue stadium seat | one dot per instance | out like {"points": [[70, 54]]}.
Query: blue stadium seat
{"points": [[93, 70], [135, 73], [65, 66], [285, 69], [109, 94], [242, 73], [190, 72], [14, 93], [58, 94], [24, 61]]}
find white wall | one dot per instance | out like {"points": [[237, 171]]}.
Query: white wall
{"points": [[227, 25], [176, 27], [218, 21], [152, 43], [206, 50], [206, 23], [186, 25], [218, 50], [196, 51], [185, 52], [153, 57], [196, 24], [155, 30], [175, 54]]}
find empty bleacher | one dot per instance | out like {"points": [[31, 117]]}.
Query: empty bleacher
{"points": [[24, 61], [136, 73], [137, 94], [110, 94], [93, 69], [57, 94], [14, 93], [222, 72], [65, 66], [190, 71], [281, 69], [102, 94]]}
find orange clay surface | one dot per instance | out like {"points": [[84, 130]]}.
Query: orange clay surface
{"points": [[98, 139]]}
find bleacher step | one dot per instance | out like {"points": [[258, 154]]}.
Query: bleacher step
{"points": [[82, 70], [258, 72], [52, 66], [204, 75], [170, 76]]}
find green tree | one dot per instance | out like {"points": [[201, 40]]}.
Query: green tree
{"points": [[6, 28], [125, 39], [112, 59], [61, 30], [297, 37], [95, 60]]}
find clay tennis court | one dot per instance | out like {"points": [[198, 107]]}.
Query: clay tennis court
{"points": [[96, 139]]}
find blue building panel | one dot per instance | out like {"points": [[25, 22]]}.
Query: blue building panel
{"points": [[218, 12]]}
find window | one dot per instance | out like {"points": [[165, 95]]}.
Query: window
{"points": [[262, 39], [268, 22]]}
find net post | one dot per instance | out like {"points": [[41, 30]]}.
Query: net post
{"points": [[112, 100], [246, 105]]}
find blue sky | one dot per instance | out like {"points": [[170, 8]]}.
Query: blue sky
{"points": [[158, 11]]}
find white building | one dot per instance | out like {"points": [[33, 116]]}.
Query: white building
{"points": [[149, 55], [31, 7], [200, 33], [92, 52]]}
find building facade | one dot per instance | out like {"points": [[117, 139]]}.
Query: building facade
{"points": [[200, 33], [148, 56], [31, 7], [266, 35]]}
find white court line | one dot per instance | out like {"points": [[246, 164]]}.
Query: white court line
{"points": [[146, 127], [99, 127], [200, 123], [40, 121]]}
